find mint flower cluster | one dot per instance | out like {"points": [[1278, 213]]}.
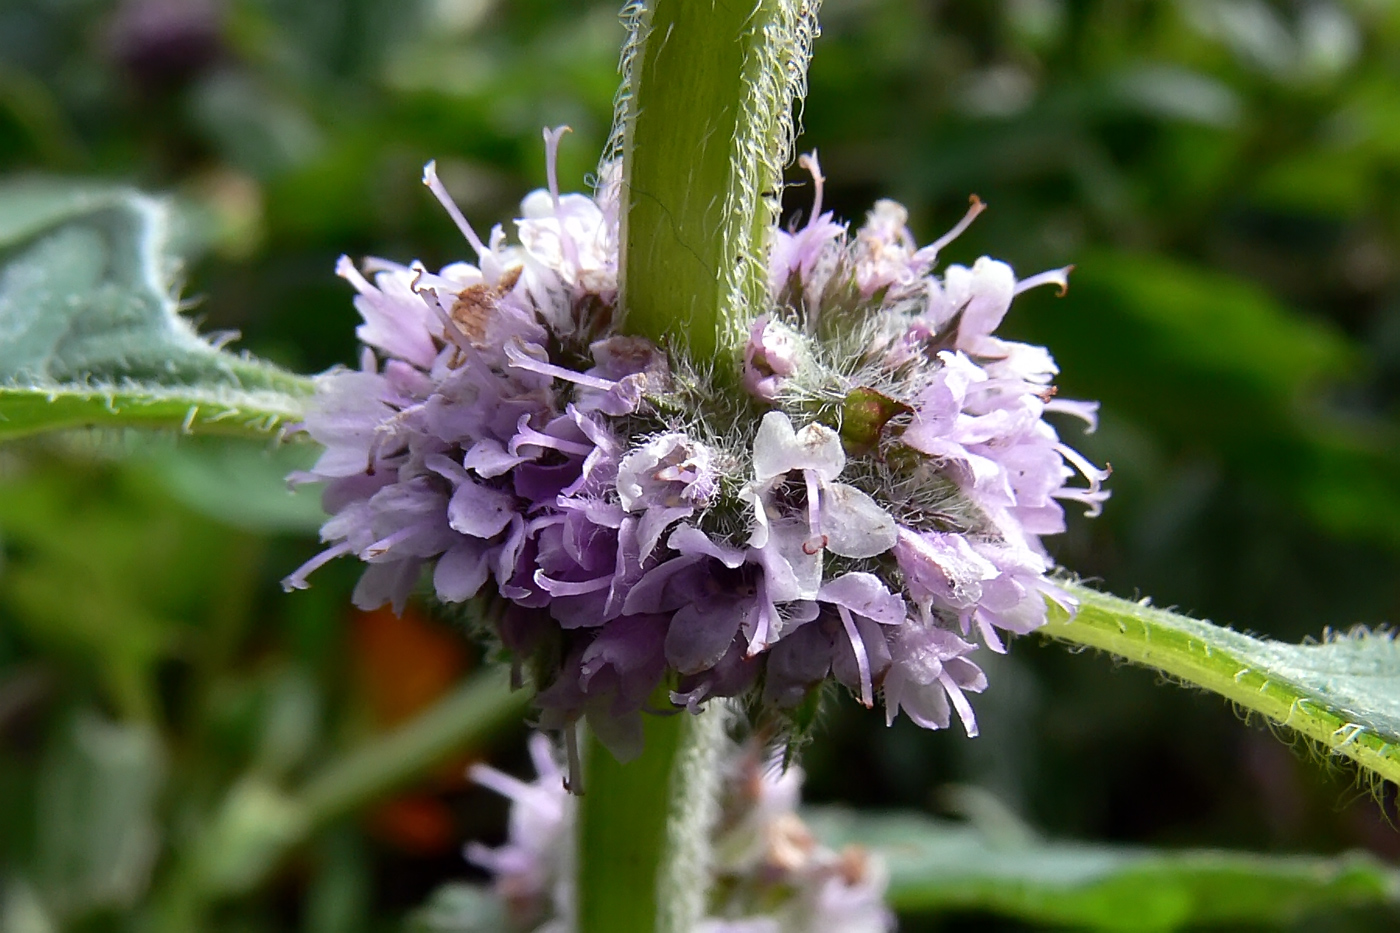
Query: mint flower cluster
{"points": [[854, 489], [768, 873]]}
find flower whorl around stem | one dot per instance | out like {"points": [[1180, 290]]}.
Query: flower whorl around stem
{"points": [[769, 873], [858, 494]]}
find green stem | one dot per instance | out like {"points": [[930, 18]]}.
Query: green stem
{"points": [[643, 832], [705, 129], [189, 409], [1335, 693]]}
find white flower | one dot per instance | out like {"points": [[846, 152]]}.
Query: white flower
{"points": [[839, 517]]}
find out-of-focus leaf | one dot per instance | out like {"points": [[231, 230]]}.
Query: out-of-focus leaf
{"points": [[1178, 94], [1210, 361], [97, 831], [251, 831], [937, 865], [101, 567], [1343, 693], [459, 908], [90, 330], [291, 716], [21, 910], [1188, 324], [242, 484]]}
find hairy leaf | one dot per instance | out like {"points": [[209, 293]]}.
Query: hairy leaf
{"points": [[1343, 692], [937, 865], [91, 332]]}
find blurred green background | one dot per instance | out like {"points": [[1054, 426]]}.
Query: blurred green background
{"points": [[1224, 175]]}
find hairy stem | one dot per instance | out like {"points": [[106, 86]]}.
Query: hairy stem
{"points": [[704, 128], [643, 831], [1337, 693]]}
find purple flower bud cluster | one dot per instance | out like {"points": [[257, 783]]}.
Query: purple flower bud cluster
{"points": [[770, 874], [854, 490]]}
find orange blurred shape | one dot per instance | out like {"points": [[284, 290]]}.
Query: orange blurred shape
{"points": [[404, 665], [418, 824]]}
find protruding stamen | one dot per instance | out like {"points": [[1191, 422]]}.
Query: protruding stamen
{"points": [[551, 160], [761, 638], [526, 435], [1058, 277], [810, 163], [814, 511], [297, 579], [568, 588], [1093, 496], [1088, 412], [519, 359], [867, 689], [573, 777], [930, 253], [430, 178], [346, 269], [387, 543], [960, 703]]}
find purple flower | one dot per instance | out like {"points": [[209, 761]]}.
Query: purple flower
{"points": [[806, 254], [983, 584], [865, 606], [530, 872], [770, 356], [768, 874], [860, 480], [886, 256], [991, 433], [930, 669], [716, 594], [839, 517], [665, 480]]}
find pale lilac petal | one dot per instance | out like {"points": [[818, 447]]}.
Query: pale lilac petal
{"points": [[854, 524]]}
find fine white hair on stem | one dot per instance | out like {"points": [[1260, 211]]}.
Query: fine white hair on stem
{"points": [[774, 87], [778, 50], [636, 20]]}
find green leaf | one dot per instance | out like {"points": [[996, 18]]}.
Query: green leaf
{"points": [[97, 833], [459, 908], [258, 821], [937, 865], [90, 328], [242, 484], [1343, 693], [103, 570], [1213, 363]]}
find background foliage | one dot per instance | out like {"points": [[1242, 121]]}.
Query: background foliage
{"points": [[1225, 176]]}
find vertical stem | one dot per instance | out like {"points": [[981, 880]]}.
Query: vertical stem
{"points": [[622, 831], [643, 827], [677, 171], [704, 128]]}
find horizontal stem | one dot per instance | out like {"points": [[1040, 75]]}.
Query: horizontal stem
{"points": [[1289, 684], [26, 411]]}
